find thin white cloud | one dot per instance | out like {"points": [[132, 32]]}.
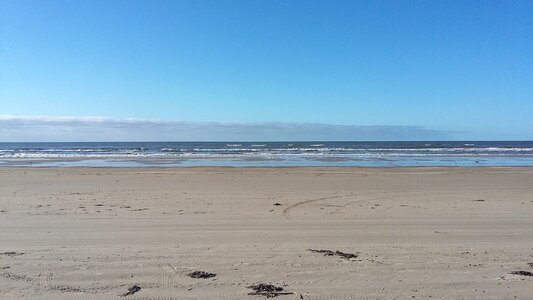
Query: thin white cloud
{"points": [[66, 128]]}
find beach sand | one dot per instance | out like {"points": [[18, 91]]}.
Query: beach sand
{"points": [[92, 233]]}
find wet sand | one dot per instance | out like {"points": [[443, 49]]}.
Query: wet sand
{"points": [[444, 233]]}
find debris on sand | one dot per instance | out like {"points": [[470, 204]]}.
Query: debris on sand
{"points": [[346, 256], [277, 204], [530, 264], [201, 274], [132, 290], [12, 253], [68, 289], [479, 200], [268, 290], [522, 273], [16, 277]]}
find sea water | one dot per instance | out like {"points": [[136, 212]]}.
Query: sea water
{"points": [[269, 154]]}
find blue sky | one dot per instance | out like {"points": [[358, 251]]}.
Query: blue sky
{"points": [[453, 69]]}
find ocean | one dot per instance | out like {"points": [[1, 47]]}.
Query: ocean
{"points": [[268, 154]]}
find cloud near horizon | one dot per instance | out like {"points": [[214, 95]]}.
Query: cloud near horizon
{"points": [[81, 129]]}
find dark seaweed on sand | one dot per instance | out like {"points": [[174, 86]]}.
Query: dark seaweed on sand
{"points": [[132, 290], [201, 274], [268, 290], [12, 253], [346, 256], [522, 273]]}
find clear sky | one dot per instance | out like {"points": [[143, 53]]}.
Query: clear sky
{"points": [[460, 69]]}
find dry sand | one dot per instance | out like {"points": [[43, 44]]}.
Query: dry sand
{"points": [[444, 233]]}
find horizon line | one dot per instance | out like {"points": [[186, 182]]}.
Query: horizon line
{"points": [[263, 141]]}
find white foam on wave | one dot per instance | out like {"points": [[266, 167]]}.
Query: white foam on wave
{"points": [[261, 151]]}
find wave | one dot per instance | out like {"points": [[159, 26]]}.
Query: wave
{"points": [[280, 150], [246, 154]]}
